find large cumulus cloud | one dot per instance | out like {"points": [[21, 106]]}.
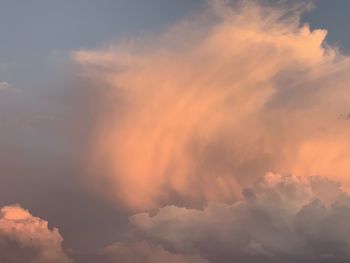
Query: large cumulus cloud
{"points": [[26, 238], [281, 219], [195, 114]]}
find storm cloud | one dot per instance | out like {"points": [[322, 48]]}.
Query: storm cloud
{"points": [[196, 113], [221, 138]]}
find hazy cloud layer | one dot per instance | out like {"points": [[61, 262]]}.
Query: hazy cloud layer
{"points": [[282, 219], [25, 238], [193, 115], [143, 252], [135, 252]]}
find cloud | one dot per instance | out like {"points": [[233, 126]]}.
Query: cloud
{"points": [[146, 253], [188, 118], [196, 113], [282, 219], [135, 252], [25, 238], [4, 85]]}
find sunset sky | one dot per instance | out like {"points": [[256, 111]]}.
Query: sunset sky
{"points": [[187, 131]]}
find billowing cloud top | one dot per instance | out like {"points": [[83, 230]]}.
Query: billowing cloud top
{"points": [[282, 219], [25, 238]]}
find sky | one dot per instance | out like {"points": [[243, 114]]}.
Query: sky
{"points": [[39, 35], [181, 131]]}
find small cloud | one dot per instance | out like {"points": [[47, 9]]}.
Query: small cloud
{"points": [[27, 238], [4, 85]]}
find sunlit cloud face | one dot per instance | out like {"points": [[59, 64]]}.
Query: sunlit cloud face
{"points": [[210, 105], [26, 238]]}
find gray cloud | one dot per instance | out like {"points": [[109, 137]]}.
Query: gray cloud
{"points": [[43, 135], [135, 252], [281, 219], [146, 253]]}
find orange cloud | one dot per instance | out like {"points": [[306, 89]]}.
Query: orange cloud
{"points": [[198, 112], [25, 238]]}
